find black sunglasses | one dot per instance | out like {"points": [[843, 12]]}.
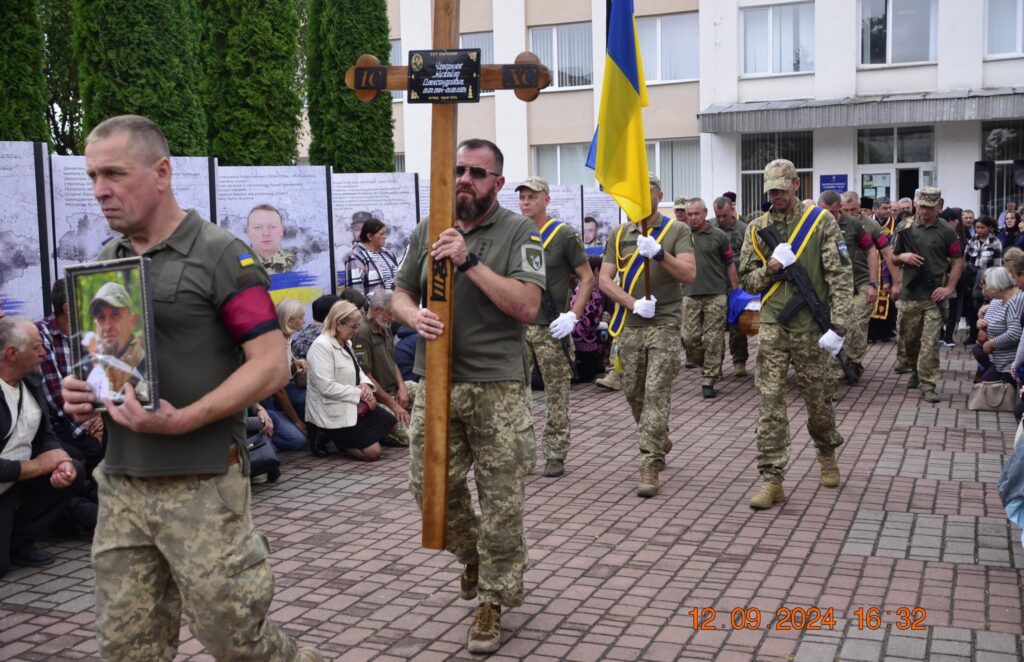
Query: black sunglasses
{"points": [[476, 172]]}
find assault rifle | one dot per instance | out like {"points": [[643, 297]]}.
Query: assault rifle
{"points": [[924, 271], [551, 310], [806, 296]]}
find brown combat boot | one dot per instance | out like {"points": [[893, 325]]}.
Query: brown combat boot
{"points": [[770, 494], [468, 581], [829, 468], [739, 369], [485, 632], [649, 484]]}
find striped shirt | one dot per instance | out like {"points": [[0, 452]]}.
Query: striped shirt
{"points": [[1005, 329]]}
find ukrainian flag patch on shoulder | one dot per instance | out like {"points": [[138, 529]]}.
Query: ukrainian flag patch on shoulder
{"points": [[535, 236], [245, 259]]}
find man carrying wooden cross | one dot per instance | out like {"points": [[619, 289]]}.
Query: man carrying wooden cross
{"points": [[497, 290]]}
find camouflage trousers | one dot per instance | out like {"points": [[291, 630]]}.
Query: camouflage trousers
{"points": [[901, 347], [919, 325], [547, 353], [650, 361], [399, 434], [704, 334], [738, 347], [855, 344], [490, 430], [150, 564], [778, 349]]}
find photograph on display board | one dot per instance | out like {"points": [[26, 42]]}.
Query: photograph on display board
{"points": [[79, 227], [601, 216], [281, 213], [21, 184], [112, 331], [374, 218]]}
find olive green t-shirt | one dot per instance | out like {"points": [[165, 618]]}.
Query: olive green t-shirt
{"points": [[713, 253], [199, 275], [938, 244], [829, 272], [666, 289], [484, 339], [562, 255], [375, 350], [736, 233], [860, 234]]}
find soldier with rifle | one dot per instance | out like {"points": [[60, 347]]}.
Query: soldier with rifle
{"points": [[925, 247], [794, 256], [548, 340]]}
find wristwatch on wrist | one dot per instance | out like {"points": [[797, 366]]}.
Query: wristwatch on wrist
{"points": [[471, 261], [659, 256]]}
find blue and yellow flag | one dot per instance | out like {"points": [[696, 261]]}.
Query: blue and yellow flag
{"points": [[618, 153]]}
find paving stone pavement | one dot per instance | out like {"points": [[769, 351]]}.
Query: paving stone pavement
{"points": [[910, 559]]}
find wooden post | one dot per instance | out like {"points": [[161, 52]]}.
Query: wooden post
{"points": [[367, 79]]}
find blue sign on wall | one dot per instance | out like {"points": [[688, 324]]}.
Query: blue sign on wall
{"points": [[837, 183]]}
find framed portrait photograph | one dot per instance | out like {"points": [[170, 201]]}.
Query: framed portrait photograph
{"points": [[112, 329]]}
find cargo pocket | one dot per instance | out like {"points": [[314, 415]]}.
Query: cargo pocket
{"points": [[233, 490], [253, 550]]}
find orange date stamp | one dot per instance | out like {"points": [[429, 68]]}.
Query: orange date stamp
{"points": [[807, 619]]}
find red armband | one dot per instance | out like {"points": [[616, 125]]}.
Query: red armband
{"points": [[248, 313], [728, 254], [864, 241], [881, 242], [954, 248]]}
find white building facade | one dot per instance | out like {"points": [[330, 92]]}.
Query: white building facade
{"points": [[875, 96]]}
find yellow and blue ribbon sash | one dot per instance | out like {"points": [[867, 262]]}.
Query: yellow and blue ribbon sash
{"points": [[631, 273], [797, 240]]}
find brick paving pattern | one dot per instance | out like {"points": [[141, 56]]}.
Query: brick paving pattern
{"points": [[915, 525]]}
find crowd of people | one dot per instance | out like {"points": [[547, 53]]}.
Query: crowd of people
{"points": [[827, 277]]}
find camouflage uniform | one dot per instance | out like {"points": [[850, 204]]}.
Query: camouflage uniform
{"points": [[919, 325], [133, 355], [492, 430], [738, 349], [780, 346], [545, 351], [280, 262], [704, 325], [650, 358]]}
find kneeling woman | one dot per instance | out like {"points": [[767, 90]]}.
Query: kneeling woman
{"points": [[340, 406]]}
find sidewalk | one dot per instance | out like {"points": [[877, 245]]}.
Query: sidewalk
{"points": [[915, 535]]}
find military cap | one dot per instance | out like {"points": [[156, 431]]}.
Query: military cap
{"points": [[111, 294], [654, 180], [538, 184], [927, 196], [779, 174], [680, 202]]}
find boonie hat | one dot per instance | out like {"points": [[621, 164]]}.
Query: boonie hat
{"points": [[779, 174], [927, 196], [112, 294], [538, 184]]}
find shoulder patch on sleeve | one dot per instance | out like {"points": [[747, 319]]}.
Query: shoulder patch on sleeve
{"points": [[533, 259], [844, 252]]}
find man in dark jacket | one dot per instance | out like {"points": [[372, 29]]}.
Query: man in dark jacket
{"points": [[37, 477]]}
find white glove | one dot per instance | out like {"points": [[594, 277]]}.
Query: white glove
{"points": [[647, 246], [831, 342], [644, 307], [562, 326], [784, 254]]}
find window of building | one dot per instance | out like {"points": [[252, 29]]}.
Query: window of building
{"points": [[485, 42], [898, 31], [1001, 142], [903, 144], [677, 163], [396, 59], [779, 39], [567, 51], [399, 162], [758, 149], [563, 164], [670, 47], [1005, 29]]}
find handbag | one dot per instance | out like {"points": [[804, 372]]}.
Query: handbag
{"points": [[992, 396], [263, 457]]}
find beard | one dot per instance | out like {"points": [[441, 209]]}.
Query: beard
{"points": [[474, 208]]}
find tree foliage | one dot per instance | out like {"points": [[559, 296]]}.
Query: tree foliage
{"points": [[64, 105], [22, 105], [348, 134], [252, 106], [142, 56]]}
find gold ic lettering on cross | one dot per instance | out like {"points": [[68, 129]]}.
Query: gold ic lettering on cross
{"points": [[367, 78]]}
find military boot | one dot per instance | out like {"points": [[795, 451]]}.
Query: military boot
{"points": [[829, 468], [739, 369], [554, 468], [468, 581], [485, 632], [930, 396], [649, 484], [770, 494], [913, 382], [612, 381]]}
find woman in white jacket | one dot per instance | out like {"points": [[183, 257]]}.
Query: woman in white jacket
{"points": [[340, 406]]}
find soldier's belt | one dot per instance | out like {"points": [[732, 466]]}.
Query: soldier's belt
{"points": [[232, 460]]}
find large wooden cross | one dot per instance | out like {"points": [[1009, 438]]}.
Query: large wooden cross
{"points": [[368, 79]]}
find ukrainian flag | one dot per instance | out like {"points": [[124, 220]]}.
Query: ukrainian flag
{"points": [[618, 153]]}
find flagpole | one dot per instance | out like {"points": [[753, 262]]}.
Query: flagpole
{"points": [[647, 264]]}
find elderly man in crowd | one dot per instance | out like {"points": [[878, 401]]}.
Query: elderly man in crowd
{"points": [[374, 348]]}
